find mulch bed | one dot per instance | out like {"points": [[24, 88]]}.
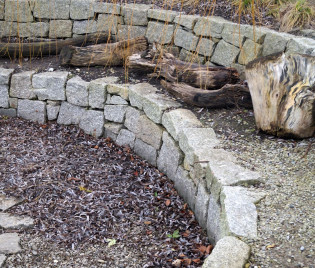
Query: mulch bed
{"points": [[82, 190]]}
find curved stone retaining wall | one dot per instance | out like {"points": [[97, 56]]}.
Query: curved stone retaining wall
{"points": [[210, 40], [158, 129]]}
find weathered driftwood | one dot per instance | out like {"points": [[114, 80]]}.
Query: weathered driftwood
{"points": [[227, 96], [174, 70], [35, 49], [109, 54], [283, 94]]}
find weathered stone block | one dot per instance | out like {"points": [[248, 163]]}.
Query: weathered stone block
{"points": [[52, 112], [249, 52], [32, 110], [225, 54], [275, 42], [256, 34], [188, 56], [185, 39], [201, 208], [185, 187], [8, 28], [209, 26], [205, 47], [53, 9], [50, 85], [176, 120], [143, 127], [126, 138], [108, 8], [97, 93], [92, 123], [214, 220], [1, 16], [188, 21], [145, 151], [112, 130], [160, 32], [77, 91], [232, 34], [11, 112], [70, 114], [170, 156], [19, 11], [115, 100], [9, 243], [108, 23], [13, 103], [4, 96], [115, 113], [135, 14], [300, 45], [36, 29], [82, 9], [21, 85], [2, 256], [5, 76], [121, 90], [162, 15], [128, 32], [228, 252], [84, 26], [8, 221], [60, 28]]}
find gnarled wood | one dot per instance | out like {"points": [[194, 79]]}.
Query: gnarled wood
{"points": [[35, 49], [283, 93], [227, 96], [111, 54]]}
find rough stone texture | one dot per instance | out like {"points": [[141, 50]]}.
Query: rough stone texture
{"points": [[145, 151], [135, 14], [121, 90], [249, 52], [8, 112], [275, 42], [126, 138], [185, 39], [60, 28], [8, 28], [300, 45], [13, 103], [129, 32], [8, 221], [232, 34], [4, 96], [188, 56], [108, 8], [239, 212], [176, 120], [5, 75], [229, 252], [115, 113], [54, 9], [50, 85], [170, 156], [214, 220], [52, 112], [143, 96], [36, 29], [97, 93], [185, 187], [257, 35], [112, 130], [18, 11], [32, 110], [225, 54], [108, 23], [21, 85], [188, 21], [205, 47], [82, 9], [116, 100], [195, 139], [1, 18], [143, 127], [201, 208], [84, 26], [92, 123], [209, 26], [77, 91], [2, 256], [241, 70], [9, 243], [8, 202], [70, 114], [160, 32], [162, 15]]}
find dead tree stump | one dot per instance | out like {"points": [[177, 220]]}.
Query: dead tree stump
{"points": [[283, 94]]}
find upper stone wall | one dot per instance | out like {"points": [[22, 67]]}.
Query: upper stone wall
{"points": [[205, 40]]}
